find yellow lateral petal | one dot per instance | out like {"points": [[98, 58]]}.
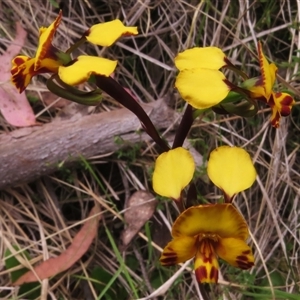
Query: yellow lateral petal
{"points": [[222, 220], [236, 252], [202, 88], [84, 66], [45, 41], [173, 171], [105, 34], [231, 169], [200, 57], [179, 250], [206, 263]]}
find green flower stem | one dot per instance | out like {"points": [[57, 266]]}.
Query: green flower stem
{"points": [[199, 112], [233, 97], [89, 99], [115, 90], [184, 127], [65, 58], [73, 89], [233, 68], [81, 41]]}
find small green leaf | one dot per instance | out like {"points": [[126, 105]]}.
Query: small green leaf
{"points": [[54, 3], [12, 262], [28, 290]]}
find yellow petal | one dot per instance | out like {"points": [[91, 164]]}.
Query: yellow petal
{"points": [[202, 88], [221, 220], [200, 57], [231, 169], [236, 252], [173, 171], [179, 250], [105, 34], [206, 263], [268, 72], [84, 66], [45, 42]]}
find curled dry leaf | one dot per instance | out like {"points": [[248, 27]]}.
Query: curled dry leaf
{"points": [[73, 253], [14, 106], [141, 207]]}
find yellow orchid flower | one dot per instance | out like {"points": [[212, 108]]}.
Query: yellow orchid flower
{"points": [[199, 82], [72, 72], [207, 232], [262, 89], [229, 168]]}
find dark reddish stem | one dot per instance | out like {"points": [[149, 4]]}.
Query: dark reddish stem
{"points": [[184, 127], [115, 90]]}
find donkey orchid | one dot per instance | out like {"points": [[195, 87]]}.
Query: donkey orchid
{"points": [[71, 71], [261, 88], [199, 82], [207, 232]]}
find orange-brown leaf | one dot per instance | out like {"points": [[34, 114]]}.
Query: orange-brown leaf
{"points": [[65, 260]]}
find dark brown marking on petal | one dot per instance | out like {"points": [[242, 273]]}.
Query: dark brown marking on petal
{"points": [[187, 214], [285, 111], [275, 120], [19, 60], [214, 274], [261, 63], [206, 250], [287, 100], [127, 33], [259, 81], [168, 261], [169, 254], [271, 101], [168, 258], [201, 274], [20, 76], [243, 261], [242, 258], [246, 252], [244, 265]]}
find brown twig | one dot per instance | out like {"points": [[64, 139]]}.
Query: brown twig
{"points": [[29, 153]]}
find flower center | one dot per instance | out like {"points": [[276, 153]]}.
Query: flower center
{"points": [[205, 244], [206, 263], [208, 236]]}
